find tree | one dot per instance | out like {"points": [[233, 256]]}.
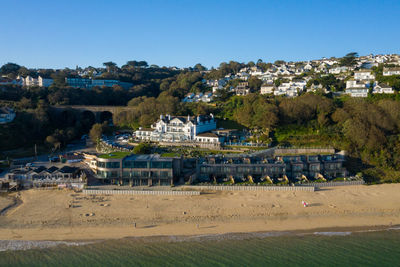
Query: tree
{"points": [[349, 60], [251, 64], [9, 68], [142, 148], [254, 83], [53, 141], [279, 62], [58, 79], [96, 132], [110, 66], [199, 67]]}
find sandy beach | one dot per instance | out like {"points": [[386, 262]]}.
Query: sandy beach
{"points": [[66, 215]]}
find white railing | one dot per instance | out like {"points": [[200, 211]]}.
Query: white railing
{"points": [[252, 188], [140, 192]]}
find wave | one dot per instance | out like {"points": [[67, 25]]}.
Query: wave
{"points": [[333, 233], [6, 245]]}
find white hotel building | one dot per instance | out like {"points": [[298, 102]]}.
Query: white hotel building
{"points": [[180, 129]]}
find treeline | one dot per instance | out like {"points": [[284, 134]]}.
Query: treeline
{"points": [[42, 126], [368, 129]]}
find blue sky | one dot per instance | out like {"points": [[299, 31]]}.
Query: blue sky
{"points": [[58, 34]]}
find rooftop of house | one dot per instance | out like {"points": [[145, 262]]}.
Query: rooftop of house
{"points": [[362, 71], [146, 129], [148, 157], [186, 119], [207, 135], [392, 69], [383, 85], [6, 110], [68, 169]]}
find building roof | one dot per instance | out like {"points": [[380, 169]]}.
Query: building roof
{"points": [[361, 71], [68, 169], [148, 157], [52, 169], [39, 169], [384, 85], [392, 69], [186, 119], [6, 110], [146, 129], [357, 88], [207, 135]]}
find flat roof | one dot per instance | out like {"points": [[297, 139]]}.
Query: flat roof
{"points": [[115, 155], [148, 157]]}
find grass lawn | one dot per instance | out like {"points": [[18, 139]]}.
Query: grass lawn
{"points": [[170, 154], [229, 124], [115, 155]]}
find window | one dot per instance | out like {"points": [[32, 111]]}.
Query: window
{"points": [[165, 174], [101, 164], [127, 164], [297, 167], [314, 167], [167, 165], [135, 174], [156, 164], [112, 165], [140, 164]]}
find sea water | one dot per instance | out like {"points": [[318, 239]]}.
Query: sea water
{"points": [[367, 248]]}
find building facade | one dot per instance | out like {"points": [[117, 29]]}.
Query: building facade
{"points": [[293, 167], [90, 83], [177, 129], [138, 170]]}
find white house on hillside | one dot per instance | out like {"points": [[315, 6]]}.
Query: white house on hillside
{"points": [[382, 89], [177, 128], [44, 82], [267, 89], [357, 92], [391, 71], [363, 75]]}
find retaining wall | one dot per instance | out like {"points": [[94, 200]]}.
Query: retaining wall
{"points": [[305, 151], [253, 188], [140, 192]]}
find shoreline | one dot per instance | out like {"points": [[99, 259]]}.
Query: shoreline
{"points": [[45, 233], [16, 244]]}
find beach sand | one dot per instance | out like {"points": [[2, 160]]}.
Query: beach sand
{"points": [[66, 215]]}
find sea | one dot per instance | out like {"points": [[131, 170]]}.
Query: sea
{"points": [[325, 248]]}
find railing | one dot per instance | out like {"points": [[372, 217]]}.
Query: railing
{"points": [[330, 184], [252, 188], [140, 192]]}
